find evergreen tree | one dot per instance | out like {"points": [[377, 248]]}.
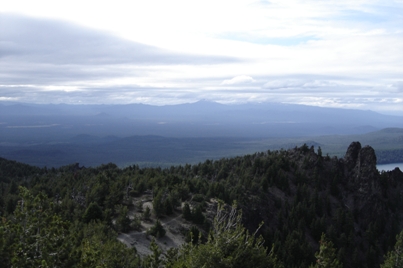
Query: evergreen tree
{"points": [[186, 213], [93, 212], [153, 260], [394, 259], [36, 236], [326, 257], [158, 205], [228, 245], [197, 215], [96, 251], [157, 230], [123, 220]]}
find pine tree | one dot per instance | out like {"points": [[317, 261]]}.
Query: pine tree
{"points": [[123, 221], [197, 215], [326, 257], [187, 214], [228, 245], [36, 234], [157, 230], [158, 205], [93, 212], [395, 256], [153, 260]]}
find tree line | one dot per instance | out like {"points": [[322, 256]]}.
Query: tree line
{"points": [[294, 205]]}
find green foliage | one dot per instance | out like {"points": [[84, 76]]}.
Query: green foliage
{"points": [[36, 236], [298, 194], [394, 258], [197, 215], [186, 212], [153, 260], [123, 221], [228, 245], [158, 205], [326, 257], [193, 235], [3, 256], [93, 212], [157, 230], [11, 204], [96, 252], [13, 188]]}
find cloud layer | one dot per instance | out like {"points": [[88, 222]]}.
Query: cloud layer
{"points": [[332, 53]]}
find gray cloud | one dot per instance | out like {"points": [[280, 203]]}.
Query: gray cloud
{"points": [[39, 73], [55, 42], [44, 52]]}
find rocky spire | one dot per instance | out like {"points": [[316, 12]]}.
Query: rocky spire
{"points": [[361, 166], [351, 155]]}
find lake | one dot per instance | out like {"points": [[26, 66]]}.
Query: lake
{"points": [[388, 167]]}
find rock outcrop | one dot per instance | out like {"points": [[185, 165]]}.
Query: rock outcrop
{"points": [[361, 168], [351, 155]]}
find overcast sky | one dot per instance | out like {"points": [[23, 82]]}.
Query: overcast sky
{"points": [[327, 53]]}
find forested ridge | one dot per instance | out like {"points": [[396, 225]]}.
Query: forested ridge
{"points": [[283, 208]]}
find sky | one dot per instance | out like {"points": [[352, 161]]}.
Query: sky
{"points": [[344, 54]]}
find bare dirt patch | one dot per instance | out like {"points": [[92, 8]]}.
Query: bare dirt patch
{"points": [[175, 226]]}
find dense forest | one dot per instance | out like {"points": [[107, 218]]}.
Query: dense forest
{"points": [[283, 208]]}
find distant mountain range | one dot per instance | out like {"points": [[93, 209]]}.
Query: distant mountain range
{"points": [[200, 119]]}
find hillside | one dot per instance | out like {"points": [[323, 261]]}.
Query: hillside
{"points": [[298, 194], [90, 150]]}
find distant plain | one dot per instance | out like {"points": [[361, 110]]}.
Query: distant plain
{"points": [[144, 135]]}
